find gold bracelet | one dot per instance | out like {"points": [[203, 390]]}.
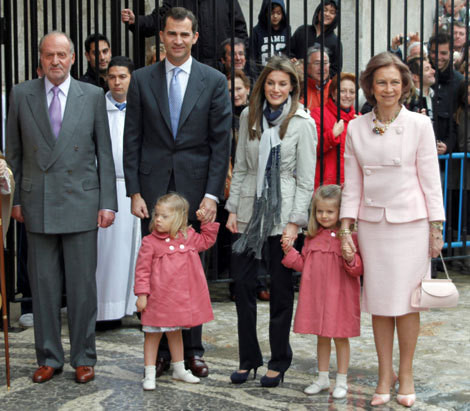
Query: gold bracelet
{"points": [[438, 225], [344, 232]]}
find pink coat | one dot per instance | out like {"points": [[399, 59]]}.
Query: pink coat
{"points": [[395, 175], [170, 273], [329, 297]]}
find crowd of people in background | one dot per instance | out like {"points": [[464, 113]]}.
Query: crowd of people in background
{"points": [[246, 150]]}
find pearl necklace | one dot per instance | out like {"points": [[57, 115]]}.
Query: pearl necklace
{"points": [[381, 130]]}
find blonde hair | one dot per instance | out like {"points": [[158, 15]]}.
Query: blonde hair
{"points": [[179, 207], [275, 63], [328, 192]]}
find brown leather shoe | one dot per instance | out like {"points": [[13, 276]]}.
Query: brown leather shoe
{"points": [[198, 366], [161, 366], [84, 374], [263, 295], [45, 373]]}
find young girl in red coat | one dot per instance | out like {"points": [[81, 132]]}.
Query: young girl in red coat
{"points": [[329, 297], [170, 283]]}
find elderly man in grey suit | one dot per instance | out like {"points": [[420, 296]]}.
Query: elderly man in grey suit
{"points": [[177, 138], [59, 149]]}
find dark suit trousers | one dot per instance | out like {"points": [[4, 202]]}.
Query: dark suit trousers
{"points": [[244, 271], [51, 258]]}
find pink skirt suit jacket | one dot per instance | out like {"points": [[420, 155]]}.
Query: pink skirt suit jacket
{"points": [[170, 273], [393, 188]]}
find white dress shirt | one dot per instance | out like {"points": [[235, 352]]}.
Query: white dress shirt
{"points": [[183, 78]]}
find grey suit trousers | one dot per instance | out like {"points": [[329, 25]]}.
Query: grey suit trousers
{"points": [[51, 258]]}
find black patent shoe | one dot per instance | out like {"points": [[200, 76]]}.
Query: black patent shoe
{"points": [[272, 381], [241, 377]]}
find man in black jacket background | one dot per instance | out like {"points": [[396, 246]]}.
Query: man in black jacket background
{"points": [[445, 92], [215, 24]]}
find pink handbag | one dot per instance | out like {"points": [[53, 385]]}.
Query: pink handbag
{"points": [[435, 293]]}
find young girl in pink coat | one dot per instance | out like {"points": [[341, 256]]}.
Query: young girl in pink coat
{"points": [[170, 283], [329, 297]]}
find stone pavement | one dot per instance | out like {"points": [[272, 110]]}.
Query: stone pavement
{"points": [[442, 369]]}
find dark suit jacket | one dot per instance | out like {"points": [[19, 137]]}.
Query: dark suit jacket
{"points": [[198, 157], [61, 183]]}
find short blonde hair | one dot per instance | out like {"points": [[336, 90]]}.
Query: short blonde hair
{"points": [[180, 208], [379, 61], [328, 192]]}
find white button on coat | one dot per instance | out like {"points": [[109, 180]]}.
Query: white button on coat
{"points": [[182, 246], [172, 248]]}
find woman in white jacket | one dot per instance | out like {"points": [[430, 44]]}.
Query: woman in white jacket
{"points": [[271, 189]]}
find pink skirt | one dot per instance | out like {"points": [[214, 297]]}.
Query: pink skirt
{"points": [[395, 258]]}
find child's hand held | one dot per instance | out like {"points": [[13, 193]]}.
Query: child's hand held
{"points": [[201, 213], [141, 303]]}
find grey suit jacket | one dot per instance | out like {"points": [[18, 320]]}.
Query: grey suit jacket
{"points": [[63, 182], [198, 157]]}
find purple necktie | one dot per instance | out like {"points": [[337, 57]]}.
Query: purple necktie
{"points": [[55, 113]]}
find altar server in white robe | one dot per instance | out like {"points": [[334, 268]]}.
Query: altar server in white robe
{"points": [[118, 245]]}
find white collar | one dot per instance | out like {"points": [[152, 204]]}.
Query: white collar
{"points": [[111, 99], [186, 66], [64, 86]]}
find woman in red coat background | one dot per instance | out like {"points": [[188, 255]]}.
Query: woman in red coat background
{"points": [[334, 132]]}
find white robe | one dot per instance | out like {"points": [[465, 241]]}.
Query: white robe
{"points": [[118, 244]]}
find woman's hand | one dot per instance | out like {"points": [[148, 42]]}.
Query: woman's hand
{"points": [[435, 242], [232, 223], [141, 303], [289, 235], [338, 128]]}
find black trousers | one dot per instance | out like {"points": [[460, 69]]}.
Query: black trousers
{"points": [[281, 303]]}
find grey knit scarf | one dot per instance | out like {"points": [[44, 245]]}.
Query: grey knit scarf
{"points": [[267, 205]]}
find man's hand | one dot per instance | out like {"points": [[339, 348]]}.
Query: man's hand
{"points": [[210, 208], [414, 37], [17, 214], [441, 147], [105, 218], [396, 41], [138, 206], [127, 16]]}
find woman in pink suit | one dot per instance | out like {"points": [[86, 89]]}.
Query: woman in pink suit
{"points": [[393, 190]]}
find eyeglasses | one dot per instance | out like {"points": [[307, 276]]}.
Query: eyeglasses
{"points": [[318, 63]]}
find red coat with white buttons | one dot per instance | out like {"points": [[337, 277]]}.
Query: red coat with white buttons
{"points": [[170, 273]]}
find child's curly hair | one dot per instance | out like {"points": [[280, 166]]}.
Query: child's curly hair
{"points": [[180, 208]]}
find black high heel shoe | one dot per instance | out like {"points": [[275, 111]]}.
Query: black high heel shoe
{"points": [[272, 381], [241, 377]]}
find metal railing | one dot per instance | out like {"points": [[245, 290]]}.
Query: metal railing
{"points": [[365, 27]]}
